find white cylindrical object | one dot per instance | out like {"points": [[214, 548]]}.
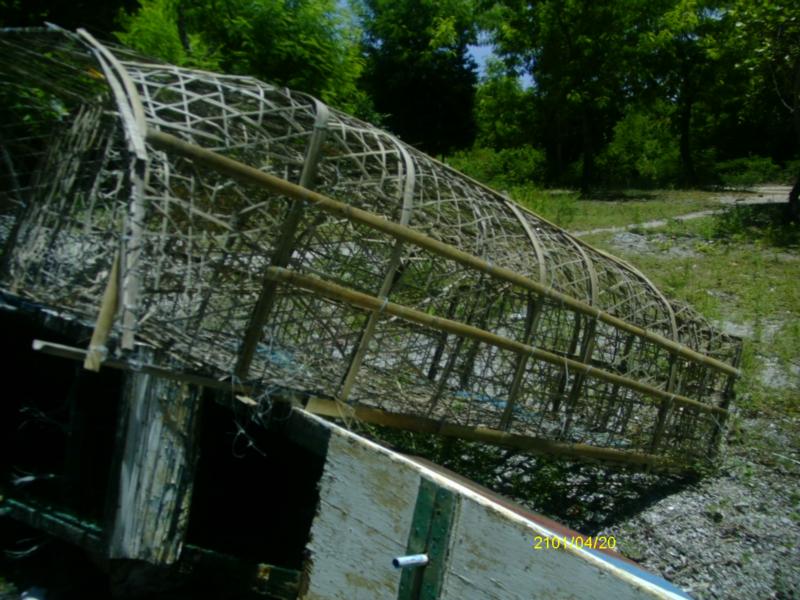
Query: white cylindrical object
{"points": [[412, 560]]}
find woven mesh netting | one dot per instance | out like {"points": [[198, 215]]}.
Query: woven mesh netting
{"points": [[195, 245]]}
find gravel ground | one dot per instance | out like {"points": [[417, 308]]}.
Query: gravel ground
{"points": [[734, 535]]}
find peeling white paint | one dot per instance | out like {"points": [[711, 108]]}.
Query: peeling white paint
{"points": [[368, 494]]}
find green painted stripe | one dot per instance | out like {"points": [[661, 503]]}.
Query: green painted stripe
{"points": [[431, 525]]}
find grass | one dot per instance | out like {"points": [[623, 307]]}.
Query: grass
{"points": [[744, 269], [568, 210]]}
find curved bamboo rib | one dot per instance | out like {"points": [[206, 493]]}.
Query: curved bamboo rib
{"points": [[407, 198], [537, 246], [132, 113], [250, 175]]}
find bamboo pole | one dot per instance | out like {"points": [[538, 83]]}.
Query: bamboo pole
{"points": [[367, 302], [664, 410], [105, 319], [532, 315], [250, 175], [577, 384], [376, 416]]}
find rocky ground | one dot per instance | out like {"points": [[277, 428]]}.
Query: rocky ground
{"points": [[732, 535]]}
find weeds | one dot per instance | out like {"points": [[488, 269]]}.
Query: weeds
{"points": [[567, 209], [743, 273]]}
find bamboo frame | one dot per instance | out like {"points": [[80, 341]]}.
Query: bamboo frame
{"points": [[285, 246], [367, 302], [246, 174], [189, 172]]}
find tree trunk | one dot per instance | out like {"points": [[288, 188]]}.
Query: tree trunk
{"points": [[685, 106], [559, 147], [182, 34], [794, 195], [588, 153], [794, 201], [685, 125]]}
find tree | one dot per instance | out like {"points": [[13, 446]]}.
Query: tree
{"points": [[97, 16], [686, 55], [578, 55], [769, 30], [418, 72], [503, 109], [309, 45]]}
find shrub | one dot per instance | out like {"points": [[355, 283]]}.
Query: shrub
{"points": [[791, 171], [643, 151], [748, 171], [560, 208], [501, 168]]}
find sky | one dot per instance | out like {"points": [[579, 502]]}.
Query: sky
{"points": [[482, 52]]}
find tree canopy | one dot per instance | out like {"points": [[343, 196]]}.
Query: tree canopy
{"points": [[309, 45], [419, 74], [619, 92]]}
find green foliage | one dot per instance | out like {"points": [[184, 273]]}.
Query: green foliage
{"points": [[748, 171], [501, 168], [153, 30], [757, 224], [646, 93], [579, 56], [561, 209], [418, 72], [309, 45], [643, 151], [503, 110], [768, 32]]}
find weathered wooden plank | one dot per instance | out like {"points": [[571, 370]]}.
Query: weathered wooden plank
{"points": [[368, 494], [156, 468], [365, 513], [492, 557]]}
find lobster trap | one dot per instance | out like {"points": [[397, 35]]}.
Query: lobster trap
{"points": [[249, 234]]}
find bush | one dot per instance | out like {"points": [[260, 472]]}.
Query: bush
{"points": [[501, 168], [560, 208], [748, 171], [758, 223], [791, 171], [643, 151]]}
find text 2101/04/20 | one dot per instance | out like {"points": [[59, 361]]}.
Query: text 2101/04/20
{"points": [[600, 542]]}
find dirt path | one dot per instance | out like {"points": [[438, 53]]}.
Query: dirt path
{"points": [[768, 194]]}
